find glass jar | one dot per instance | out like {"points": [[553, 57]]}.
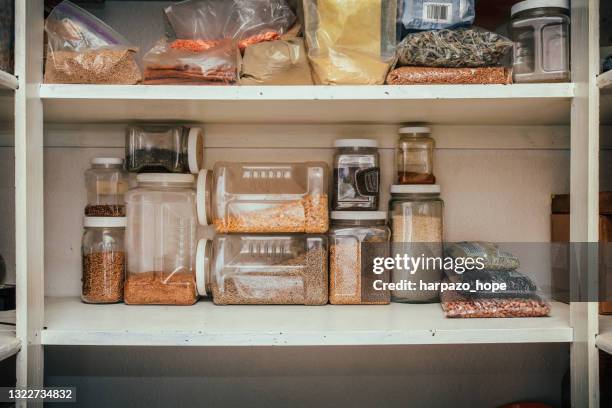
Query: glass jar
{"points": [[103, 256], [356, 175], [416, 217], [263, 269], [356, 238], [106, 183], [541, 32], [161, 240], [265, 197], [164, 149], [414, 159]]}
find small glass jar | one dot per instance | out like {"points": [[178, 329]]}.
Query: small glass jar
{"points": [[104, 260], [356, 239], [164, 149], [541, 32], [106, 183], [416, 218], [356, 175], [414, 159]]}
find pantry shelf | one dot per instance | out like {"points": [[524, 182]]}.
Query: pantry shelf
{"points": [[604, 339], [8, 81], [9, 345], [524, 104], [68, 321], [604, 81]]}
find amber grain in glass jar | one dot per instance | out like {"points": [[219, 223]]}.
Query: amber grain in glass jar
{"points": [[414, 158]]}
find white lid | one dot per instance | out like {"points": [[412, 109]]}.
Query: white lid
{"points": [[201, 197], [107, 160], [531, 4], [194, 149], [355, 143], [359, 215], [414, 129], [164, 178], [105, 222], [202, 265], [415, 189]]}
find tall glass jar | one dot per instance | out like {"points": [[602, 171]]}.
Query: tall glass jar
{"points": [[414, 158], [356, 175], [103, 256], [161, 240], [541, 32], [106, 183], [356, 239], [416, 215]]}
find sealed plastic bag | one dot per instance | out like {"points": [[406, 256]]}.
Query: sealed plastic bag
{"points": [[461, 48], [350, 41], [493, 258], [437, 14], [84, 50], [430, 75], [516, 284], [276, 63], [456, 305]]}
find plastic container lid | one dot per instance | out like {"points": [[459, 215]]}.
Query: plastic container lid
{"points": [[359, 215], [355, 143], [533, 4], [413, 129], [105, 222], [195, 146], [107, 160], [165, 178], [202, 197], [202, 265], [415, 189]]}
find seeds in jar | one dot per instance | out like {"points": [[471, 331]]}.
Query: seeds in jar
{"points": [[103, 276], [105, 210], [160, 288]]}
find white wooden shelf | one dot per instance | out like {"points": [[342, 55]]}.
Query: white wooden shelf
{"points": [[9, 345], [68, 321], [8, 81], [604, 339], [604, 81], [525, 104]]}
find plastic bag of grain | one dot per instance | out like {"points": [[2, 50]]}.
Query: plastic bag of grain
{"points": [[456, 305], [493, 258], [466, 76], [276, 63]]}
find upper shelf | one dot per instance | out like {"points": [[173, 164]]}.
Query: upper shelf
{"points": [[526, 104], [604, 81], [8, 81]]}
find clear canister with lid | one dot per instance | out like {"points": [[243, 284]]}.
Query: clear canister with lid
{"points": [[241, 269], [356, 238], [416, 216], [164, 149], [414, 158], [106, 183], [103, 259], [540, 30], [161, 240], [356, 175]]}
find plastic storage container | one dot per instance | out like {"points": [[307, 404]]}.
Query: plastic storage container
{"points": [[106, 183], [164, 149], [103, 255], [541, 32], [356, 175], [161, 240], [416, 217], [265, 197], [414, 159], [260, 269], [356, 238]]}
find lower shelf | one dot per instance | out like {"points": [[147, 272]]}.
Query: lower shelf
{"points": [[604, 339], [68, 321]]}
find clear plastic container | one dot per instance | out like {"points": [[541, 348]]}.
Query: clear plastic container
{"points": [[265, 197], [416, 216], [161, 240], [356, 175], [103, 256], [414, 158], [541, 32], [356, 238], [164, 149], [106, 183], [263, 269]]}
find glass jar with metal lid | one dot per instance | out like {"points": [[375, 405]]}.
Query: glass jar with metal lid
{"points": [[356, 175], [106, 183], [414, 158], [416, 217]]}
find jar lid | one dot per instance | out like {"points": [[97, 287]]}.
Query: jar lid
{"points": [[195, 147], [105, 222], [107, 160], [355, 143], [202, 265], [164, 178], [415, 189], [202, 196], [413, 129], [532, 4], [359, 215]]}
